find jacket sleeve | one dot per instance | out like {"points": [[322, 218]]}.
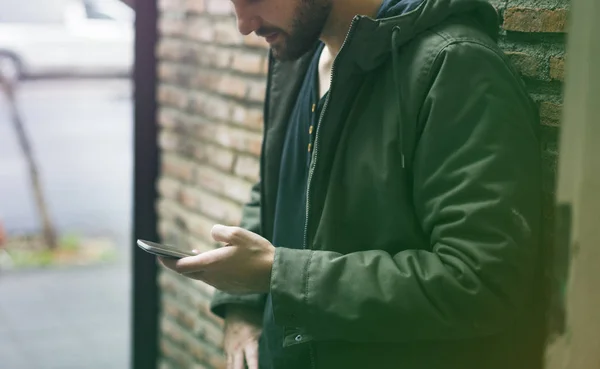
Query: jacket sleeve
{"points": [[476, 194], [250, 221]]}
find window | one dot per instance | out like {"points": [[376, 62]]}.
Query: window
{"points": [[108, 9], [32, 11]]}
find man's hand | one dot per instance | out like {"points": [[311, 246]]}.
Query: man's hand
{"points": [[243, 265], [243, 327]]}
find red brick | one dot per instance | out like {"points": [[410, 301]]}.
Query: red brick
{"points": [[215, 156], [168, 72], [173, 96], [207, 131], [211, 334], [174, 351], [226, 33], [167, 283], [211, 56], [169, 211], [206, 80], [550, 113], [535, 20], [257, 90], [170, 26], [239, 114], [164, 227], [206, 290], [199, 366], [233, 86], [220, 158], [557, 68], [189, 198], [222, 58], [168, 5], [219, 7], [200, 225], [187, 317], [177, 167], [175, 73], [168, 141], [200, 29], [223, 184], [217, 361], [248, 63], [210, 106], [170, 49], [238, 139], [162, 364], [215, 207], [198, 54], [251, 118], [169, 188], [198, 351], [201, 153], [265, 66], [247, 167], [219, 57], [526, 64], [168, 118], [167, 349], [195, 6], [168, 327], [186, 301]]}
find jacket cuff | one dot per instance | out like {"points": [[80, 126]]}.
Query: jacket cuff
{"points": [[221, 299], [289, 286]]}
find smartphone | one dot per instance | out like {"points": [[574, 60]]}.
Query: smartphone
{"points": [[163, 250]]}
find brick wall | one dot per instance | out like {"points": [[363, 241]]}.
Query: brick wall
{"points": [[533, 35], [210, 94]]}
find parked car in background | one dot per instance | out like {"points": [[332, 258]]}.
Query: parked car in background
{"points": [[65, 37]]}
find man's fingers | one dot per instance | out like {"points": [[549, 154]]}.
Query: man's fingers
{"points": [[193, 264], [168, 262], [251, 353], [238, 360]]}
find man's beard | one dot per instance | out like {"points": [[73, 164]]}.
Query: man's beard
{"points": [[307, 26]]}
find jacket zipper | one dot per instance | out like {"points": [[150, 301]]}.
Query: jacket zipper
{"points": [[315, 152], [316, 145]]}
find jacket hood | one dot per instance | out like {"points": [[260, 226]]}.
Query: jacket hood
{"points": [[409, 18]]}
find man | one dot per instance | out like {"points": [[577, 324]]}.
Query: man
{"points": [[400, 182]]}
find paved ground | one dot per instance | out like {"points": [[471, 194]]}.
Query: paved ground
{"points": [[77, 318], [65, 319]]}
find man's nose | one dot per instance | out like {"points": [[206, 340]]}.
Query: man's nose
{"points": [[247, 20]]}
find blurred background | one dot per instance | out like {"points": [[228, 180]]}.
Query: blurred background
{"points": [[66, 120], [88, 163]]}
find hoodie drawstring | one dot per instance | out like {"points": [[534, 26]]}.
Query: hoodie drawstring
{"points": [[395, 66]]}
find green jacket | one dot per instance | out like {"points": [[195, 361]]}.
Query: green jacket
{"points": [[424, 200]]}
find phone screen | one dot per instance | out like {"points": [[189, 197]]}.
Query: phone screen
{"points": [[163, 250]]}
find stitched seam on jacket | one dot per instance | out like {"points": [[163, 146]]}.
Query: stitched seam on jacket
{"points": [[307, 277]]}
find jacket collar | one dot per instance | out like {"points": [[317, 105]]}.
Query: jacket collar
{"points": [[370, 42]]}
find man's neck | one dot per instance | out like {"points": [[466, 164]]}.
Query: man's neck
{"points": [[337, 26]]}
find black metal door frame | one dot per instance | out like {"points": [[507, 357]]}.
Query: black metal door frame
{"points": [[145, 296]]}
